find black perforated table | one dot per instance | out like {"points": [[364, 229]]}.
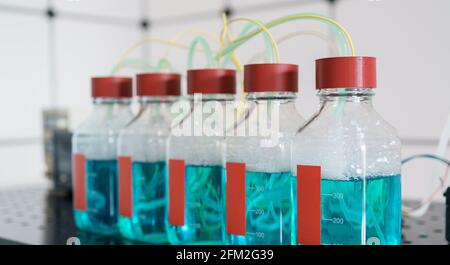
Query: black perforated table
{"points": [[34, 216]]}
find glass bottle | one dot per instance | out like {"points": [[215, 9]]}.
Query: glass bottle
{"points": [[195, 154], [347, 161], [258, 177], [94, 156], [142, 155]]}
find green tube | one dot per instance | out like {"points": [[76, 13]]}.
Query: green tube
{"points": [[164, 63], [245, 30], [227, 58], [199, 41], [344, 49]]}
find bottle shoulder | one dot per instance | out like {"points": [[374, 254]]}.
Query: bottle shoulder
{"points": [[340, 125], [103, 124], [268, 148], [283, 122], [151, 126], [348, 145]]}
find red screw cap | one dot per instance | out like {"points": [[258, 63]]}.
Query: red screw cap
{"points": [[271, 78], [211, 81], [346, 72], [158, 84], [112, 87]]}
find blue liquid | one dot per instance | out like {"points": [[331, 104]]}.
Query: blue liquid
{"points": [[149, 204], [269, 210], [204, 208], [342, 211], [101, 188]]}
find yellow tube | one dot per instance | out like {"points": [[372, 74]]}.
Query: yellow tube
{"points": [[225, 33], [284, 19], [319, 17], [334, 49], [189, 32], [132, 48]]}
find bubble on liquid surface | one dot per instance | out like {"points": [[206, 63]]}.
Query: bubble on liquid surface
{"points": [[343, 156]]}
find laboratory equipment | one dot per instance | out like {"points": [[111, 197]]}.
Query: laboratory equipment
{"points": [[346, 161], [94, 157], [142, 155], [258, 177], [195, 157], [58, 150], [62, 163], [55, 119]]}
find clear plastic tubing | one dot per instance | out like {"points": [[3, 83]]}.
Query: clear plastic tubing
{"points": [[343, 38], [142, 160], [94, 160], [195, 157], [258, 178], [347, 163]]}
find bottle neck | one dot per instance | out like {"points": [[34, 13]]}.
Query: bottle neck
{"points": [[156, 105], [281, 104], [212, 97], [350, 96], [263, 96], [111, 106], [101, 102], [144, 100]]}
